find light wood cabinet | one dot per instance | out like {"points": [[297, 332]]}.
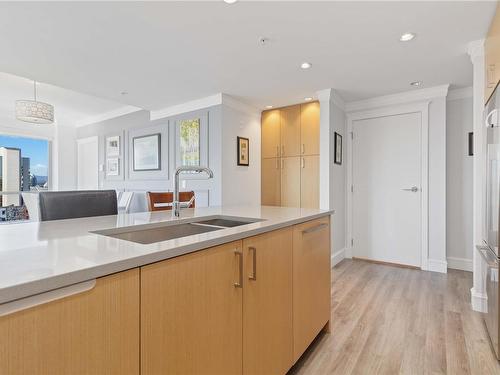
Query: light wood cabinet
{"points": [[309, 128], [309, 181], [191, 313], [311, 282], [270, 134], [282, 146], [290, 182], [290, 131], [271, 182], [492, 55], [93, 332], [267, 303]]}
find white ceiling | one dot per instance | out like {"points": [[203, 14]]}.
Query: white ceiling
{"points": [[70, 107], [165, 53]]}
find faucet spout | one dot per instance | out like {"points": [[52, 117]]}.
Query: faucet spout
{"points": [[176, 205]]}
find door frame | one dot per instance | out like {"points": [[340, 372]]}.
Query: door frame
{"points": [[421, 107]]}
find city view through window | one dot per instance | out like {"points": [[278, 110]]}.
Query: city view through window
{"points": [[24, 164]]}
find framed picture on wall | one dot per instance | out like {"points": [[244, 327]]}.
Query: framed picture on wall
{"points": [[337, 149], [146, 152], [243, 151], [113, 146], [113, 167]]}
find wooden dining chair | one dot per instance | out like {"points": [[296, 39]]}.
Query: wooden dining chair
{"points": [[163, 201]]}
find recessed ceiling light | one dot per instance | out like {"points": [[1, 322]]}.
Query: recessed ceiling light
{"points": [[305, 65], [269, 106], [416, 83], [230, 1], [124, 93], [406, 37], [308, 99]]}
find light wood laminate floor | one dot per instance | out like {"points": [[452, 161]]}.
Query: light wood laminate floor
{"points": [[391, 320]]}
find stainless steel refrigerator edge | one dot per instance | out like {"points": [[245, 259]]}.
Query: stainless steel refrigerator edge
{"points": [[489, 250]]}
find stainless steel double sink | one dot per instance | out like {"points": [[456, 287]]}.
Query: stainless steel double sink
{"points": [[157, 232]]}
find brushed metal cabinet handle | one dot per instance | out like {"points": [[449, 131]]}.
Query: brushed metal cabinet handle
{"points": [[302, 148], [277, 150], [282, 150], [282, 163], [302, 163], [239, 283], [253, 276], [315, 228], [277, 164]]}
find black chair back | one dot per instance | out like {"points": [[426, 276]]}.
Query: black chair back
{"points": [[57, 205]]}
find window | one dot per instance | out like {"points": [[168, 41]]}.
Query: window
{"points": [[189, 142], [24, 167]]}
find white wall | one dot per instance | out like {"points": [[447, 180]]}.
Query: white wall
{"points": [[459, 176], [240, 184], [338, 180]]}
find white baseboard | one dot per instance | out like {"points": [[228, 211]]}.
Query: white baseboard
{"points": [[436, 265], [337, 257], [463, 264], [479, 301]]}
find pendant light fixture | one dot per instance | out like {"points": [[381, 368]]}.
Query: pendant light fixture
{"points": [[34, 111]]}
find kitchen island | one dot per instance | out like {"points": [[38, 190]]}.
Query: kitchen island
{"points": [[93, 296]]}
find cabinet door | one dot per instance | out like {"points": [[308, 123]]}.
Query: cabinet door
{"points": [[309, 128], [290, 131], [93, 332], [271, 182], [290, 182], [191, 313], [267, 303], [270, 128], [309, 181], [311, 282], [492, 55]]}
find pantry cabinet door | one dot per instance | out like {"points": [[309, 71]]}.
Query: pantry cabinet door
{"points": [[270, 134], [290, 131]]}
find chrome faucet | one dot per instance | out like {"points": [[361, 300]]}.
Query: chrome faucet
{"points": [[176, 205]]}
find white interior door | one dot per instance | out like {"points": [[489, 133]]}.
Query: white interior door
{"points": [[386, 176], [88, 163]]}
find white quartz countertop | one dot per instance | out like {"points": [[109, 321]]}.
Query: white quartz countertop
{"points": [[36, 257]]}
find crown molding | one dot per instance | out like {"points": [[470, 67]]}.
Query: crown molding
{"points": [[192, 105], [331, 95], [400, 98], [240, 106], [464, 93], [475, 49], [125, 110]]}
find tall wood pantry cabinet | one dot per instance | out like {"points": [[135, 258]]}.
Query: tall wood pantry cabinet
{"points": [[290, 156], [492, 55]]}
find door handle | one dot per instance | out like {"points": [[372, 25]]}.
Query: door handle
{"points": [[277, 150], [413, 189], [302, 148], [253, 276], [239, 283], [303, 163], [282, 150]]}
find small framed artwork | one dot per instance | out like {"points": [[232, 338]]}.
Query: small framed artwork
{"points": [[146, 152], [243, 151], [113, 167], [113, 146], [337, 149]]}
